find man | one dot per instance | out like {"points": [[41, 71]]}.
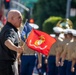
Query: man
{"points": [[28, 59], [51, 58], [73, 56], [9, 42], [62, 69], [52, 68], [67, 52], [1, 15]]}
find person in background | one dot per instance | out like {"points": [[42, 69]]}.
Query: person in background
{"points": [[42, 67], [52, 68], [60, 49], [73, 66], [9, 42], [28, 59], [2, 15], [67, 52], [51, 58], [17, 62]]}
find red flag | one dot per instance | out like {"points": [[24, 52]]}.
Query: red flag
{"points": [[40, 41]]}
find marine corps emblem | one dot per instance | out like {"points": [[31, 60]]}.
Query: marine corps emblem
{"points": [[39, 41]]}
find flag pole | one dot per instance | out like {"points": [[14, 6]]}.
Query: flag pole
{"points": [[23, 27], [26, 21]]}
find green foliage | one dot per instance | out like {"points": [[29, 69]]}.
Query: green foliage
{"points": [[46, 8], [73, 4], [73, 19], [50, 23]]}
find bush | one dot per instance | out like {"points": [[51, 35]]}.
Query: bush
{"points": [[50, 23]]}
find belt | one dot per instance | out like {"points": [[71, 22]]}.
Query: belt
{"points": [[52, 55], [28, 54]]}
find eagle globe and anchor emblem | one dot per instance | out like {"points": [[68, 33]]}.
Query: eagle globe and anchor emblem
{"points": [[65, 24], [40, 41]]}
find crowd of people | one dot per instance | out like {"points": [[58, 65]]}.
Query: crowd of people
{"points": [[16, 58]]}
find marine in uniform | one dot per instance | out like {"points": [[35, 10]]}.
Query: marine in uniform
{"points": [[73, 56], [68, 50], [28, 59], [42, 64], [52, 68], [60, 49]]}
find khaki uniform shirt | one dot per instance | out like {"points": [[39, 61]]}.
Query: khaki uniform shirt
{"points": [[74, 52], [69, 49], [54, 46], [27, 50], [65, 41]]}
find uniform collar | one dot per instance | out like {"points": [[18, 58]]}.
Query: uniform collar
{"points": [[8, 23]]}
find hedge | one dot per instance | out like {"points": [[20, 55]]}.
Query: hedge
{"points": [[50, 23]]}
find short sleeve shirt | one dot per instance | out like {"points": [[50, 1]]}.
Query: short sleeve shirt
{"points": [[8, 32]]}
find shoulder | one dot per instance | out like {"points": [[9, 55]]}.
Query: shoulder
{"points": [[6, 27]]}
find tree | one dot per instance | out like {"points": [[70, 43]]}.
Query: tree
{"points": [[73, 4], [46, 8], [50, 23]]}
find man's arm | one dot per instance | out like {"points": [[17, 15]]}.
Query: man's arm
{"points": [[11, 46], [63, 55], [39, 60], [58, 55], [73, 61]]}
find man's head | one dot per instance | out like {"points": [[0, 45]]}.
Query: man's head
{"points": [[15, 18]]}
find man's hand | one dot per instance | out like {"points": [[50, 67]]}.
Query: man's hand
{"points": [[46, 61], [72, 69], [11, 46], [19, 49], [62, 63], [58, 63], [39, 65]]}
